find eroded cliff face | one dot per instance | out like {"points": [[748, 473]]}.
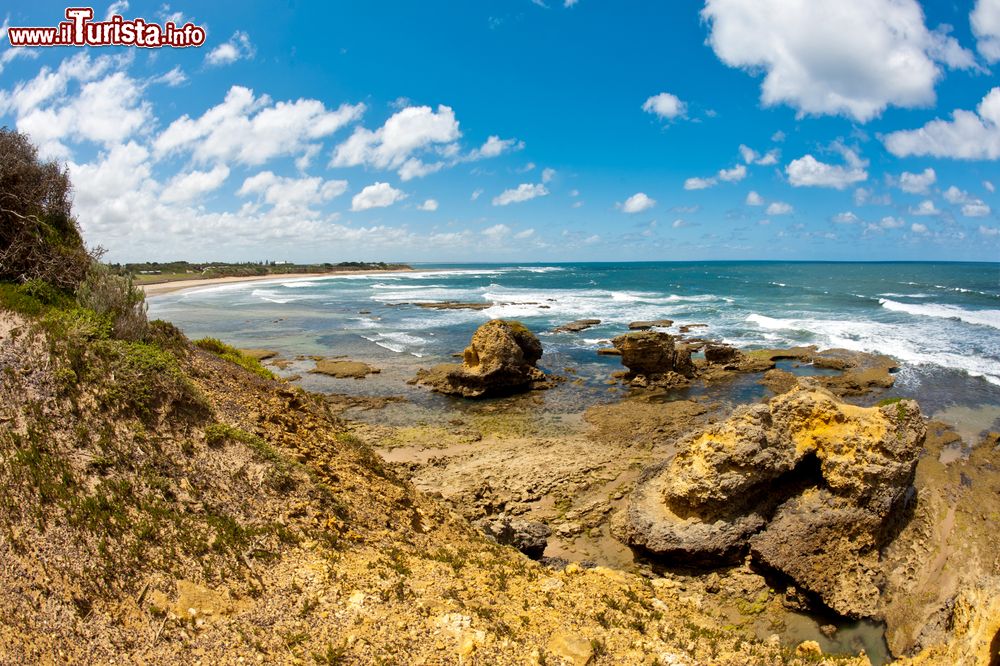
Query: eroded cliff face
{"points": [[192, 511], [807, 483]]}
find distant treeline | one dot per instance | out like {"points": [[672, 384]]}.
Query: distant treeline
{"points": [[175, 269]]}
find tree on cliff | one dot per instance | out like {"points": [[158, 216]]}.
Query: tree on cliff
{"points": [[39, 237]]}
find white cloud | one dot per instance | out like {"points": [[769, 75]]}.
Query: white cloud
{"points": [[411, 130], [971, 206], [291, 194], [107, 188], [165, 15], [698, 183], [8, 54], [497, 232], [185, 187], [476, 194], [968, 135], [852, 57], [494, 147], [989, 186], [734, 175], [975, 208], [173, 78], [956, 196], [377, 195], [637, 203], [524, 235], [754, 199], [116, 7], [846, 217], [917, 183], [523, 192], [918, 228], [890, 222], [414, 168], [985, 20], [751, 156], [665, 105], [252, 130], [864, 196], [238, 47], [106, 111], [989, 231], [778, 208], [548, 175], [807, 171], [430, 205], [570, 3], [925, 207]]}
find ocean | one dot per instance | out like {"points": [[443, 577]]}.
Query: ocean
{"points": [[941, 321]]}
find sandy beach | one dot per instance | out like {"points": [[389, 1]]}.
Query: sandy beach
{"points": [[160, 288]]}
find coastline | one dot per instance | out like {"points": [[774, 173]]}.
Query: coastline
{"points": [[161, 288]]}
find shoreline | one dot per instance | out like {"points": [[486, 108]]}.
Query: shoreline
{"points": [[162, 288]]}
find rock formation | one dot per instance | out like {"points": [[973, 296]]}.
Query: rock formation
{"points": [[577, 326], [500, 359], [654, 357], [527, 536], [342, 369], [646, 325], [809, 484]]}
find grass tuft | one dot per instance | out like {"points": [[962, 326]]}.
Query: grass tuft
{"points": [[234, 355]]}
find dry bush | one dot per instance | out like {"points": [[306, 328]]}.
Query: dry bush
{"points": [[39, 237]]}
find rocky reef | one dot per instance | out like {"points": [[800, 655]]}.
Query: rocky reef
{"points": [[499, 360], [808, 484]]}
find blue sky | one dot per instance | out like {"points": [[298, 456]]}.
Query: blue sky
{"points": [[528, 131]]}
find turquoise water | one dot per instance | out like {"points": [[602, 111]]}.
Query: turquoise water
{"points": [[940, 320]]}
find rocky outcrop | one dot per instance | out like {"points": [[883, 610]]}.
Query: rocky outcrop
{"points": [[720, 354], [654, 357], [342, 369], [809, 484], [527, 536], [577, 326], [500, 359], [646, 325]]}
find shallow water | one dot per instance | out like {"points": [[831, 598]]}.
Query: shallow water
{"points": [[851, 637], [940, 320]]}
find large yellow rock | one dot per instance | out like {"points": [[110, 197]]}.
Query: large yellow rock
{"points": [[571, 648]]}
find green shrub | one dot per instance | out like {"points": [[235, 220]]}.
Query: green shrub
{"points": [[234, 355], [166, 335], [39, 237], [32, 298], [116, 296], [145, 377]]}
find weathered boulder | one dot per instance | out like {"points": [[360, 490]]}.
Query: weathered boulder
{"points": [[653, 353], [720, 354], [500, 359], [810, 484], [665, 527], [527, 536]]}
